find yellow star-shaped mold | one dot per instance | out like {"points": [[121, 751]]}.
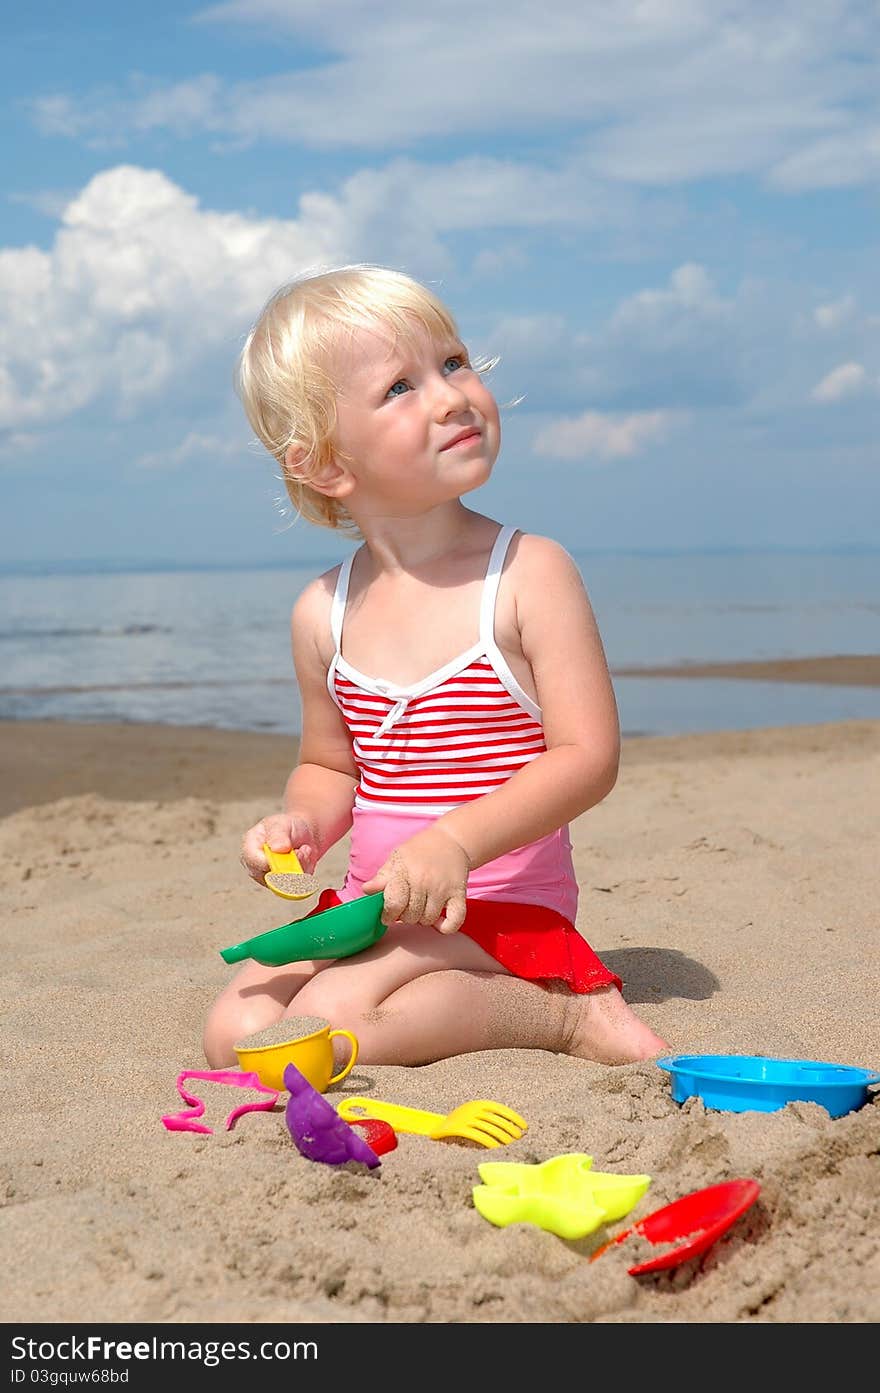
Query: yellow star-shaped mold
{"points": [[562, 1195]]}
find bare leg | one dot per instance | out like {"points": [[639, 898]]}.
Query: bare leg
{"points": [[256, 997], [435, 996], [419, 996], [449, 1013]]}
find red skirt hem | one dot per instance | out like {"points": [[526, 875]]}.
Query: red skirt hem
{"points": [[529, 940]]}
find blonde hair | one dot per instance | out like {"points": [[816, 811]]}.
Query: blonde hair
{"points": [[284, 370]]}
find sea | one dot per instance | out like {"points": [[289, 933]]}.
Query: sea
{"points": [[209, 646]]}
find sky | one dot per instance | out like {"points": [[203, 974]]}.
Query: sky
{"points": [[661, 215]]}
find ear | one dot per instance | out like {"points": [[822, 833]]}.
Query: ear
{"points": [[333, 479]]}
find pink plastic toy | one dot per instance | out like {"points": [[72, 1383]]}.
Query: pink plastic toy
{"points": [[185, 1121]]}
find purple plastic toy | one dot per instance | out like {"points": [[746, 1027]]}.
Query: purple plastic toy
{"points": [[318, 1131]]}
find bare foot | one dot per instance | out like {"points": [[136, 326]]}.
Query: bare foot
{"points": [[606, 1030]]}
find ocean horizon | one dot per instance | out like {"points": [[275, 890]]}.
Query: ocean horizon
{"points": [[207, 644], [50, 566]]}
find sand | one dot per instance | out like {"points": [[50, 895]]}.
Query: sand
{"points": [[730, 879], [841, 670]]}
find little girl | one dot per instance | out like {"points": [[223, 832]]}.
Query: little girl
{"points": [[457, 710]]}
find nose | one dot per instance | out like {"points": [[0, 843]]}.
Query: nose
{"points": [[447, 398]]}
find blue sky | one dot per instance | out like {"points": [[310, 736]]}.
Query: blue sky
{"points": [[662, 214]]}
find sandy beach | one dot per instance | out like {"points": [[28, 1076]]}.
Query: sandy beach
{"points": [[835, 670], [729, 879]]}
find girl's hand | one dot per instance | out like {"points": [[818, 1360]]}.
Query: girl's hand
{"points": [[282, 832], [424, 881]]}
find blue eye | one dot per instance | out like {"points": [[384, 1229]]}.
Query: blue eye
{"points": [[453, 363], [393, 392]]}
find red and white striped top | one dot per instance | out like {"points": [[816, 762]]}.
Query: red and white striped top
{"points": [[460, 732]]}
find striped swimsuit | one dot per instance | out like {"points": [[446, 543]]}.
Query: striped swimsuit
{"points": [[423, 749]]}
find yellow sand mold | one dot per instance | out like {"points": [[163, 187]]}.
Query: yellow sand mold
{"points": [[563, 1195]]}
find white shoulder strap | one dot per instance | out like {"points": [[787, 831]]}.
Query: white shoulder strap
{"points": [[490, 586], [340, 595]]}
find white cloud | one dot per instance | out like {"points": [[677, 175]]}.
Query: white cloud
{"points": [[846, 160], [532, 335], [690, 292], [50, 202], [196, 445], [18, 447], [481, 192], [677, 345], [140, 286], [845, 381], [499, 261], [144, 298], [142, 283], [603, 437], [654, 92], [835, 314]]}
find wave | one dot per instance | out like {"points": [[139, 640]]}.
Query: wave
{"points": [[123, 631], [171, 686]]}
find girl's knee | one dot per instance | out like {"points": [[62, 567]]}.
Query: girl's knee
{"points": [[231, 1020], [254, 1000], [218, 1045], [332, 1002]]}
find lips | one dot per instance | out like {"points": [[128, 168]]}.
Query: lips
{"points": [[470, 435]]}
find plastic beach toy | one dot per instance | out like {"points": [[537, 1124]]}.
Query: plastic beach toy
{"points": [[562, 1195], [185, 1121], [286, 876], [307, 1042], [379, 1135], [334, 933], [490, 1124], [318, 1132], [697, 1219], [763, 1083]]}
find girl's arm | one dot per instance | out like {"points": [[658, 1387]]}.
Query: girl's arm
{"points": [[561, 643], [319, 794]]}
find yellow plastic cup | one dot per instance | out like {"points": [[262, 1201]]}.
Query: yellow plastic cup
{"points": [[306, 1042]]}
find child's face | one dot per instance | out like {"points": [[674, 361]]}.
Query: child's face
{"points": [[416, 427]]}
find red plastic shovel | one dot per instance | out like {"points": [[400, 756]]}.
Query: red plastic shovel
{"points": [[698, 1219]]}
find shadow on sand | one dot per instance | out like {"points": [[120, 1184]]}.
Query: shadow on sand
{"points": [[650, 975]]}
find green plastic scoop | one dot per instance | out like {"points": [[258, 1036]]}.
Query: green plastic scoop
{"points": [[335, 933]]}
